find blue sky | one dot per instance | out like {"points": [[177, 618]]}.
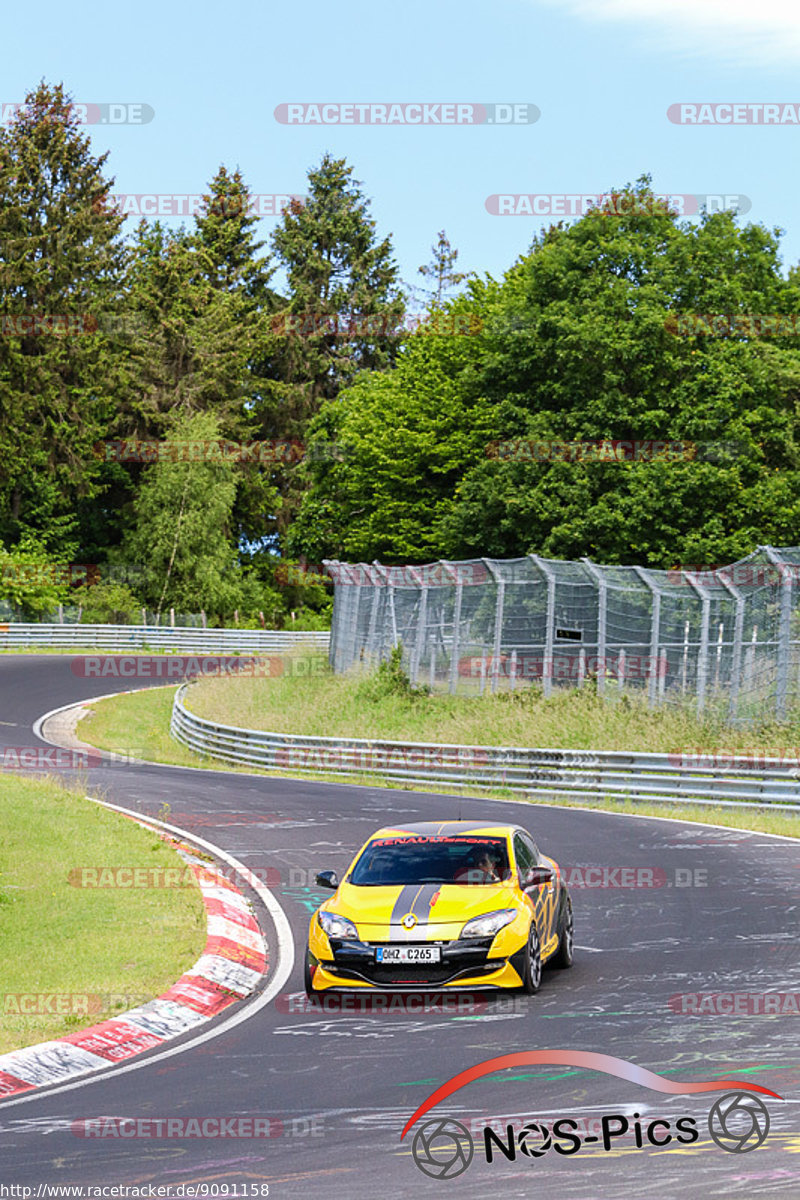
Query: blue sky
{"points": [[602, 72]]}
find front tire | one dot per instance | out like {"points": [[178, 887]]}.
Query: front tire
{"points": [[532, 969], [563, 956], [307, 980]]}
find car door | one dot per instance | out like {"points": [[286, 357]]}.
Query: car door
{"points": [[543, 898], [525, 860]]}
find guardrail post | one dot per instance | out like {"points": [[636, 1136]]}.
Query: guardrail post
{"points": [[602, 605]]}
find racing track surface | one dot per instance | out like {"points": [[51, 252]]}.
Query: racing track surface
{"points": [[344, 1084]]}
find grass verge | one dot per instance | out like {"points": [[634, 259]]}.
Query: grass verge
{"points": [[308, 698], [141, 720], [74, 955]]}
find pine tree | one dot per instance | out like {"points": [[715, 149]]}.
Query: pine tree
{"points": [[60, 263], [344, 310], [441, 271]]}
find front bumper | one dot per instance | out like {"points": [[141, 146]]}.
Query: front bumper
{"points": [[464, 964]]}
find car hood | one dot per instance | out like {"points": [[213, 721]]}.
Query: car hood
{"points": [[440, 910]]}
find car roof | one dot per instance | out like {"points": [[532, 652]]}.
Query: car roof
{"points": [[446, 829]]}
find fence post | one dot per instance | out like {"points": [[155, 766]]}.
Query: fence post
{"points": [[702, 654], [738, 638], [372, 632], [655, 635], [422, 618], [550, 628], [456, 626], [602, 605], [784, 632], [500, 597]]}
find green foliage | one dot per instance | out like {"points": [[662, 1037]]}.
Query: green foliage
{"points": [[578, 344], [31, 580], [60, 265], [441, 271], [107, 602], [182, 528], [389, 680]]}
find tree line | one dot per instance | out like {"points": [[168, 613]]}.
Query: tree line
{"points": [[191, 410]]}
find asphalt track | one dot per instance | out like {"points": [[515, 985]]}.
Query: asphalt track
{"points": [[339, 1086]]}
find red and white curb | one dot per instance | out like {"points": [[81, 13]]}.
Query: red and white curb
{"points": [[232, 964]]}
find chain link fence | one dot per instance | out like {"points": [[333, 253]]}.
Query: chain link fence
{"points": [[727, 637]]}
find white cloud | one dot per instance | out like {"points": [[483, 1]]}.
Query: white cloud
{"points": [[754, 32]]}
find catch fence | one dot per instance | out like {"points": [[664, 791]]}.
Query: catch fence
{"points": [[727, 636]]}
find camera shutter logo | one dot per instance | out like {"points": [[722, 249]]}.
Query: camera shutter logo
{"points": [[534, 1140], [738, 1122], [442, 1148]]}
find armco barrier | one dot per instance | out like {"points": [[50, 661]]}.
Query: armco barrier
{"points": [[161, 637], [573, 773]]}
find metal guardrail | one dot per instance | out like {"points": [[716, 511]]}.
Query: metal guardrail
{"points": [[161, 637], [572, 773]]}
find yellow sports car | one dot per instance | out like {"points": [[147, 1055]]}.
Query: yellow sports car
{"points": [[441, 904]]}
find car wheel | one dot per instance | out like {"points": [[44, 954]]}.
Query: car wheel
{"points": [[532, 969], [307, 978], [563, 955]]}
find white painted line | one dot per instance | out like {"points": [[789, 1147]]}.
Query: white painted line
{"points": [[285, 949], [672, 820]]}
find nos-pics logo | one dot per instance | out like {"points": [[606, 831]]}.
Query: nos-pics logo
{"points": [[443, 1148]]}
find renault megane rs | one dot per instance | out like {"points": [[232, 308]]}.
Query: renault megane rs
{"points": [[448, 904]]}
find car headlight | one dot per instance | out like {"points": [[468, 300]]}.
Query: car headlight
{"points": [[336, 926], [490, 924]]}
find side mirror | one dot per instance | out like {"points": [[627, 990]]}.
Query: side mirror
{"points": [[536, 877], [327, 879]]}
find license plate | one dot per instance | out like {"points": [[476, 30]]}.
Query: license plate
{"points": [[408, 954]]}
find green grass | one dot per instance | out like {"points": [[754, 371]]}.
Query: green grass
{"points": [[102, 950], [310, 700]]}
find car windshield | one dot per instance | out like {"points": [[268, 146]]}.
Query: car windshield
{"points": [[468, 860]]}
